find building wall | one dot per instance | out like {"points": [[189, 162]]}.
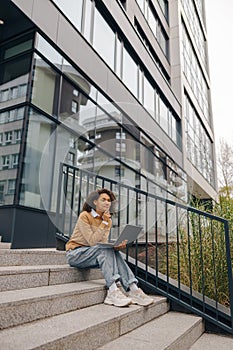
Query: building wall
{"points": [[144, 137]]}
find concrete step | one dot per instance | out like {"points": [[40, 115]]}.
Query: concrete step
{"points": [[87, 328], [27, 305], [16, 257], [171, 331], [5, 245], [213, 342], [21, 277]]}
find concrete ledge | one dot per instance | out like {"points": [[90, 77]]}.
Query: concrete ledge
{"points": [[27, 305], [20, 277], [25, 257]]}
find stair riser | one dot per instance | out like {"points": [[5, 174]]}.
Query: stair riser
{"points": [[45, 277], [136, 321], [23, 312], [189, 338], [89, 339], [5, 245], [14, 258], [95, 336]]}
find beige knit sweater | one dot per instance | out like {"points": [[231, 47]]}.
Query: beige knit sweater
{"points": [[88, 231]]}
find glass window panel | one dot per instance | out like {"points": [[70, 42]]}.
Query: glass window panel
{"points": [[5, 95], [48, 51], [104, 39], [18, 48], [130, 73], [39, 135], [73, 10], [118, 57], [2, 192], [88, 20], [17, 68], [140, 3], [163, 116], [152, 22], [87, 116], [44, 86], [149, 100], [11, 187], [76, 77], [71, 98]]}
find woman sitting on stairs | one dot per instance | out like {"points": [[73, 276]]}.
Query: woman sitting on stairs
{"points": [[82, 251]]}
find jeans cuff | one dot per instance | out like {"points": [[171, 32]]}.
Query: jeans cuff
{"points": [[132, 280], [113, 279]]}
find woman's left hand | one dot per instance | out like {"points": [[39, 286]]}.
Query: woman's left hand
{"points": [[122, 245]]}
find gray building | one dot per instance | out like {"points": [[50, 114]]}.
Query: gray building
{"points": [[119, 88]]}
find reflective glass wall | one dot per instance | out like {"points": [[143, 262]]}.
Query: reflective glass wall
{"points": [[63, 118], [121, 57], [15, 67]]}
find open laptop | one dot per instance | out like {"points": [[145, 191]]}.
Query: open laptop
{"points": [[129, 233]]}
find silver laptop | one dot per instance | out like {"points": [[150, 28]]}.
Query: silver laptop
{"points": [[129, 233]]}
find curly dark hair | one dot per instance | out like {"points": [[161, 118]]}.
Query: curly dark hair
{"points": [[89, 203]]}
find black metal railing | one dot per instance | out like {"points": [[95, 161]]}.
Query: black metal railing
{"points": [[184, 254]]}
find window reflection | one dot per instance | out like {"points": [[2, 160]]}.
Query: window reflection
{"points": [[130, 73], [199, 145], [48, 51], [39, 132], [88, 20], [149, 97], [73, 10], [104, 39], [45, 83]]}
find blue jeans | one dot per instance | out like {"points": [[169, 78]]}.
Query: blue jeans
{"points": [[109, 260]]}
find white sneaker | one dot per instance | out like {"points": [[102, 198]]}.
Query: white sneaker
{"points": [[117, 298], [140, 298]]}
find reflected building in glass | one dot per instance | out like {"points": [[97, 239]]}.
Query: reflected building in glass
{"points": [[118, 88]]}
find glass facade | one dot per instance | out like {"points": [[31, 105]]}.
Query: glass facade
{"points": [[70, 121], [198, 36], [123, 60], [199, 145], [193, 72], [15, 66], [152, 18]]}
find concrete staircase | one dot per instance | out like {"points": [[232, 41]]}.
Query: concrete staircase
{"points": [[4, 245], [45, 304]]}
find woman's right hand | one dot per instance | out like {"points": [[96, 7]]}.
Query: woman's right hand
{"points": [[106, 216]]}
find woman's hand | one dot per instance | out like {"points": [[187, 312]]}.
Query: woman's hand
{"points": [[106, 216], [122, 245]]}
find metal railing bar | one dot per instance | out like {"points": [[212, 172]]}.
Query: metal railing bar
{"points": [[72, 201], [59, 191], [214, 269], [79, 191], [229, 267], [189, 258], [167, 243], [202, 262], [177, 247], [65, 184]]}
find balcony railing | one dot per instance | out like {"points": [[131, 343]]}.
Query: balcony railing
{"points": [[184, 254]]}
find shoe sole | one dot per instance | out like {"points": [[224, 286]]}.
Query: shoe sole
{"points": [[115, 304], [142, 304]]}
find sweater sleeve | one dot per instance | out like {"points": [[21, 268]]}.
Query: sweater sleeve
{"points": [[90, 233]]}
